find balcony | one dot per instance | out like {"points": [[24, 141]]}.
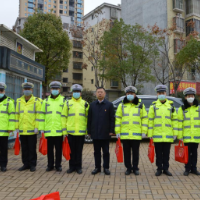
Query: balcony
{"points": [[77, 65], [77, 44], [78, 55], [178, 22], [78, 76], [71, 8], [178, 45], [178, 6]]}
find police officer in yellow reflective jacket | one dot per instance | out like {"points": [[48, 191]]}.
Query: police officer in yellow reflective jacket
{"points": [[74, 115], [50, 123], [131, 124], [27, 115], [7, 124], [163, 128], [189, 128]]}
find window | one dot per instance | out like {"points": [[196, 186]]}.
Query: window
{"points": [[77, 54], [49, 0], [30, 10], [65, 7], [54, 6], [30, 15], [79, 15], [147, 102], [65, 89], [114, 83], [65, 2], [49, 6], [54, 11], [193, 7], [65, 70], [61, 6], [92, 81], [178, 45], [45, 8], [26, 4], [92, 68], [30, 5], [77, 44], [65, 80], [45, 2], [61, 11], [77, 76], [179, 23], [79, 5], [65, 12], [178, 4], [77, 65], [61, 2], [79, 10], [25, 9], [49, 10], [25, 14], [79, 1], [79, 19], [192, 25], [54, 1]]}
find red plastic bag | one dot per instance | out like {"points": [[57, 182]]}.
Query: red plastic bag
{"points": [[16, 146], [66, 149], [151, 152], [52, 196], [119, 151], [181, 153], [43, 145]]}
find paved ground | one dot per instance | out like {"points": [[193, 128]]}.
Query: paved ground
{"points": [[27, 185]]}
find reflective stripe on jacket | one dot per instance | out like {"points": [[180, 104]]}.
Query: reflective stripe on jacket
{"points": [[74, 117], [27, 115], [163, 122]]}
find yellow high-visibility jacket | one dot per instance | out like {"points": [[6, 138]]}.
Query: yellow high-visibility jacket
{"points": [[163, 121], [189, 124], [27, 115], [131, 120], [50, 116], [7, 116], [74, 117]]}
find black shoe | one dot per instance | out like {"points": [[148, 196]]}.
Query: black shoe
{"points": [[59, 169], [136, 172], [3, 169], [32, 169], [48, 169], [186, 173], [96, 170], [167, 172], [106, 171], [195, 172], [69, 171], [79, 171], [158, 173], [23, 168], [128, 172]]}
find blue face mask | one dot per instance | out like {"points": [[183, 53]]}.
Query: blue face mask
{"points": [[1, 95], [130, 97], [55, 92], [27, 92], [76, 95], [162, 97]]}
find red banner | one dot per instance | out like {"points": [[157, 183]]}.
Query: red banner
{"points": [[182, 86]]}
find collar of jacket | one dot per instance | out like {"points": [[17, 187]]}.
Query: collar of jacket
{"points": [[104, 101], [168, 102], [76, 100], [135, 100], [57, 98], [30, 100], [3, 98], [187, 105]]}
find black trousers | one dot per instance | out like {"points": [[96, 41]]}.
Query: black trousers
{"points": [[29, 155], [76, 145], [162, 150], [128, 146], [104, 145], [3, 151], [55, 141], [192, 156]]}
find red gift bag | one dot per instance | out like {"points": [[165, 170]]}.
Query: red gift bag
{"points": [[16, 146], [52, 196], [119, 151], [66, 149], [151, 152], [43, 145], [181, 153]]}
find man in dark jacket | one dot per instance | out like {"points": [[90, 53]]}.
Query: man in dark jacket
{"points": [[101, 124]]}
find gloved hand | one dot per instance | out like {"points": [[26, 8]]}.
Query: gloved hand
{"points": [[181, 139], [143, 135], [174, 137], [35, 130], [16, 131], [118, 136]]}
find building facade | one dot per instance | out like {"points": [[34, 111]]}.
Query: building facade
{"points": [[72, 8], [164, 13], [106, 14]]}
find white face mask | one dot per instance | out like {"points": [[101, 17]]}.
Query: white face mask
{"points": [[190, 100]]}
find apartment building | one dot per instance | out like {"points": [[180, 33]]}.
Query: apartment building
{"points": [[72, 8], [165, 13], [107, 12]]}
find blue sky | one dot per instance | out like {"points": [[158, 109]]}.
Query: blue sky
{"points": [[9, 9]]}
